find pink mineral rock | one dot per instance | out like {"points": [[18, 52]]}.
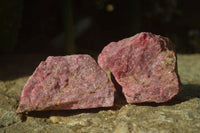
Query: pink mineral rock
{"points": [[67, 82], [145, 66]]}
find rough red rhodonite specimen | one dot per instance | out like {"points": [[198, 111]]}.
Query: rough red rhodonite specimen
{"points": [[67, 82], [145, 66]]}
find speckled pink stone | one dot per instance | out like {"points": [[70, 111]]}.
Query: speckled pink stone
{"points": [[67, 82], [145, 66]]}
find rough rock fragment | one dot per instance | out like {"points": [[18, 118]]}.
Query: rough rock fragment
{"points": [[145, 66], [67, 82]]}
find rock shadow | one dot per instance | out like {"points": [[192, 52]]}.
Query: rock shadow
{"points": [[190, 91], [63, 113]]}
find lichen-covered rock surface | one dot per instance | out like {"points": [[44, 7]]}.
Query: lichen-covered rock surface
{"points": [[179, 115]]}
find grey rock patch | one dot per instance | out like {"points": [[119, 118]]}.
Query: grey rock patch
{"points": [[8, 118]]}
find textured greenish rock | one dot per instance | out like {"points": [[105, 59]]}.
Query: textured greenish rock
{"points": [[179, 115]]}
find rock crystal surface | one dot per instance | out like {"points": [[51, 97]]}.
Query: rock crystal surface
{"points": [[145, 65], [67, 82]]}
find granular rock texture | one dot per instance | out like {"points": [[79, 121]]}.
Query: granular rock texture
{"points": [[145, 66], [68, 82], [179, 115]]}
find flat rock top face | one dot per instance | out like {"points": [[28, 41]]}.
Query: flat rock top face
{"points": [[144, 65], [68, 82], [179, 115]]}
